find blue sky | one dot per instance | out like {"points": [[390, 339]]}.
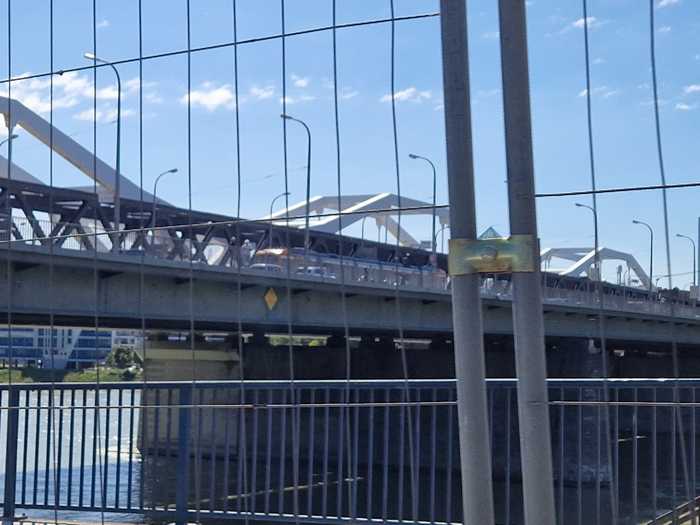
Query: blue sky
{"points": [[623, 116]]}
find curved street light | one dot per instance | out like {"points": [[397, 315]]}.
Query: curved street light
{"points": [[285, 194], [414, 157], [8, 139], [651, 250], [692, 241], [308, 179], [442, 240], [596, 257], [117, 182], [155, 200]]}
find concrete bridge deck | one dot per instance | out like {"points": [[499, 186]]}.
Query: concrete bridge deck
{"points": [[310, 303]]}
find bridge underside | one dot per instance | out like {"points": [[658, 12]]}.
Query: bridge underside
{"points": [[132, 290]]}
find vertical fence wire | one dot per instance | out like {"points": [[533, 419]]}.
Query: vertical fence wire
{"points": [[397, 263], [352, 486], [677, 421], [248, 497], [597, 262], [144, 394], [408, 430]]}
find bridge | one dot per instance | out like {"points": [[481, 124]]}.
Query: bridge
{"points": [[72, 254], [294, 372], [69, 236]]}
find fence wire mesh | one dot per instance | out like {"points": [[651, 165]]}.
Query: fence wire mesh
{"points": [[236, 310]]}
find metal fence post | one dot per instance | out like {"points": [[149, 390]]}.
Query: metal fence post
{"points": [[475, 453], [183, 454], [8, 509], [528, 322]]}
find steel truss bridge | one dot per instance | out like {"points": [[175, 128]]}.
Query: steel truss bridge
{"points": [[71, 251], [59, 240]]}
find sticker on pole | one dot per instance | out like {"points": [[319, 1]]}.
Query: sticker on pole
{"points": [[501, 255]]}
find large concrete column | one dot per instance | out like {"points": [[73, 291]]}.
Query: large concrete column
{"points": [[211, 434]]}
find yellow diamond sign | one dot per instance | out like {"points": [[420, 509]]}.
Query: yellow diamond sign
{"points": [[271, 298]]}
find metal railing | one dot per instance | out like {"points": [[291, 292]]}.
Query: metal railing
{"points": [[326, 451], [321, 268]]}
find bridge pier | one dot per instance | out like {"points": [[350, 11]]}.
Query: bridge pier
{"points": [[169, 357]]}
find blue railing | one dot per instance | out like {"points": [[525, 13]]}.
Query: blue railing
{"points": [[324, 451]]}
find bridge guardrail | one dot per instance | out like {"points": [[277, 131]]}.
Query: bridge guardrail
{"points": [[317, 268]]}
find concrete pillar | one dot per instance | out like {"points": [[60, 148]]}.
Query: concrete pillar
{"points": [[158, 441]]}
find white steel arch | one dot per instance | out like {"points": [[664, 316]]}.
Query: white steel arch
{"points": [[355, 208], [583, 258]]}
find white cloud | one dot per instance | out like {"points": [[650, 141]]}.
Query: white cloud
{"points": [[300, 82], [133, 84], [210, 97], [697, 57], [347, 93], [103, 23], [601, 91], [150, 94], [682, 106], [666, 3], [296, 100], [35, 93], [262, 93], [102, 115], [410, 94], [593, 23], [344, 93], [74, 84], [665, 29], [491, 35], [70, 90], [598, 61], [581, 22], [692, 88], [107, 93], [153, 98]]}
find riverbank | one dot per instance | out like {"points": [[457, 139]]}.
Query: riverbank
{"points": [[88, 375]]}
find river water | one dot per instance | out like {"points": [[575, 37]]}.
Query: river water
{"points": [[82, 454]]}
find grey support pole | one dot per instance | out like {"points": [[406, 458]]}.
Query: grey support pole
{"points": [[533, 409], [475, 453]]}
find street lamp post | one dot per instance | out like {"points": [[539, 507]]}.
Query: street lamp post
{"points": [[117, 181], [285, 194], [308, 181], [414, 156], [596, 262], [13, 136], [692, 242], [441, 231], [8, 211], [155, 200], [651, 251], [362, 234]]}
